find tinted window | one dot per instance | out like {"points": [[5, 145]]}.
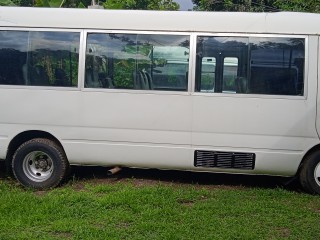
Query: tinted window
{"points": [[277, 66], [272, 66], [137, 61], [13, 57], [39, 58]]}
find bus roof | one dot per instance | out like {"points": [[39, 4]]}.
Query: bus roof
{"points": [[222, 22]]}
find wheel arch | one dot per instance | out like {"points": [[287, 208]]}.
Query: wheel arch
{"points": [[308, 153], [23, 137]]}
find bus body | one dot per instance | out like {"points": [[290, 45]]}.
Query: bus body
{"points": [[196, 91]]}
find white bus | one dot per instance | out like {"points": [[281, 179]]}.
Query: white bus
{"points": [[195, 91]]}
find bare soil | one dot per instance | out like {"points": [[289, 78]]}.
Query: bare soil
{"points": [[141, 177]]}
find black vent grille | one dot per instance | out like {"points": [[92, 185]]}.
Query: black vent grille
{"points": [[210, 159]]}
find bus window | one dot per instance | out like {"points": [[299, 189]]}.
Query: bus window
{"points": [[170, 70], [137, 61], [39, 58], [277, 66], [256, 65], [53, 59], [13, 55], [220, 60]]}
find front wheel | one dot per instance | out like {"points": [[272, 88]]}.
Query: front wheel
{"points": [[39, 164], [310, 173]]}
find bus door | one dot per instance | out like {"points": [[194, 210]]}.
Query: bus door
{"points": [[250, 110]]}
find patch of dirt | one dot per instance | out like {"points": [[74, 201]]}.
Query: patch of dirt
{"points": [[314, 207], [63, 235], [124, 225], [143, 177], [187, 203], [99, 226], [283, 232], [40, 193]]}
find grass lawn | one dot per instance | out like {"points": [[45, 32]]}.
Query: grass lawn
{"points": [[148, 204]]}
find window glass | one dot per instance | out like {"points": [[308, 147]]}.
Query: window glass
{"points": [[230, 73], [39, 58], [53, 59], [277, 66], [137, 61], [208, 74], [256, 65], [13, 56], [226, 57]]}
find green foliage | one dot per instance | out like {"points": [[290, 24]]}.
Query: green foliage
{"points": [[56, 3], [234, 5], [42, 3], [7, 3], [75, 3], [81, 5], [258, 5], [202, 5], [47, 3], [22, 3], [299, 5], [142, 4]]}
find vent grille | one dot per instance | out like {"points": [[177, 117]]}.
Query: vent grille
{"points": [[236, 160]]}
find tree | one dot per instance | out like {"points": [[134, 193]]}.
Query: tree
{"points": [[109, 4], [234, 5], [258, 5], [299, 5], [76, 3], [24, 3], [142, 4], [7, 3]]}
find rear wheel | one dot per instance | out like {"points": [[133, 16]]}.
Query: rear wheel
{"points": [[310, 173], [39, 164]]}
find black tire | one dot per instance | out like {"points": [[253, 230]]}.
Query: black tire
{"points": [[310, 173], [40, 164]]}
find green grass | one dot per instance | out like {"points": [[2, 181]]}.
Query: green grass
{"points": [[127, 210]]}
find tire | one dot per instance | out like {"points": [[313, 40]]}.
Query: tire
{"points": [[310, 173], [40, 164]]}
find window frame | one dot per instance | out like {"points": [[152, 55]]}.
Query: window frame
{"points": [[251, 95]]}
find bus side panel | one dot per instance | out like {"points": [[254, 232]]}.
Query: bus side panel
{"points": [[133, 129], [105, 128], [3, 146], [129, 155]]}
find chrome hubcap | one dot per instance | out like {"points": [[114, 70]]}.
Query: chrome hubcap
{"points": [[317, 174], [38, 166]]}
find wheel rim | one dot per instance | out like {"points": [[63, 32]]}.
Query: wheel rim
{"points": [[38, 166], [317, 174]]}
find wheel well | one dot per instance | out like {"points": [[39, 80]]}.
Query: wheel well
{"points": [[311, 151], [23, 137]]}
